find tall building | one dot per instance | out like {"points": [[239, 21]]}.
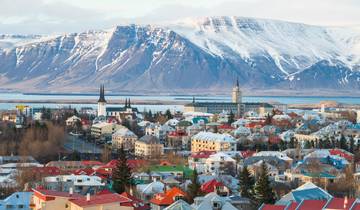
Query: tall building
{"points": [[236, 93], [102, 102], [236, 105]]}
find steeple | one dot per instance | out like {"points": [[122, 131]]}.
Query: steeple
{"points": [[102, 94], [237, 82], [126, 103], [193, 101], [129, 103]]}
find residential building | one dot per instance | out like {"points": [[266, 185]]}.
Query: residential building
{"points": [[80, 184], [212, 201], [111, 201], [17, 201], [52, 200], [72, 120], [124, 138], [207, 141], [104, 129], [148, 146], [162, 200], [220, 163]]}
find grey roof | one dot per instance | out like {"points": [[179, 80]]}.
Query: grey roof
{"points": [[149, 139]]}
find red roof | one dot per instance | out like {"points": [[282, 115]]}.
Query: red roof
{"points": [[340, 203], [247, 153], [226, 127], [91, 163], [210, 186], [85, 171], [52, 193], [47, 170], [167, 198], [272, 207], [100, 199], [137, 203], [292, 206], [103, 192], [202, 154], [177, 133], [312, 205], [274, 139], [341, 153], [356, 206]]}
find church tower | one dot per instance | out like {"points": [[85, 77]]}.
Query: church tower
{"points": [[236, 93], [102, 102]]}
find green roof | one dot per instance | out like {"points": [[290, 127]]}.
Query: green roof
{"points": [[184, 169], [320, 175]]}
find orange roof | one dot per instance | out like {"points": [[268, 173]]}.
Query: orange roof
{"points": [[167, 198]]}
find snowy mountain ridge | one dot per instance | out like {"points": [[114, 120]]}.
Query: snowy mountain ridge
{"points": [[204, 54]]}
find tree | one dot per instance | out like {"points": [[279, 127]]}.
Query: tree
{"points": [[121, 174], [231, 118], [168, 114], [268, 119], [342, 143], [352, 145], [194, 187], [246, 183], [262, 189]]}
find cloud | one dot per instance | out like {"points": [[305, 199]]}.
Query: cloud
{"points": [[57, 16]]}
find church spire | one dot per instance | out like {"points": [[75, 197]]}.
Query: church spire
{"points": [[126, 103], [129, 103], [102, 94], [237, 82], [193, 100]]}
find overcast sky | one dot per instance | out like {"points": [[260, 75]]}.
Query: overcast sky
{"points": [[58, 16]]}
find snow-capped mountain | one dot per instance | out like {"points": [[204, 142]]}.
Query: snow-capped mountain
{"points": [[205, 54]]}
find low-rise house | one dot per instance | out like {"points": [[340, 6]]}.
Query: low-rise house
{"points": [[52, 200], [159, 131], [207, 141], [148, 146], [197, 160], [72, 165], [220, 163], [180, 205], [162, 200], [147, 191], [215, 186], [177, 171], [135, 202], [124, 138], [81, 184], [213, 201], [72, 120], [17, 201], [111, 201], [178, 140]]}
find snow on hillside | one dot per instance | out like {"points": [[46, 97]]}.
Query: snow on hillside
{"points": [[293, 46]]}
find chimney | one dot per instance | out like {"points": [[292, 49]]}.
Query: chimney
{"points": [[71, 191], [345, 202], [88, 197]]}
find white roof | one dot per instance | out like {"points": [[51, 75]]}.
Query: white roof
{"points": [[241, 130], [197, 114], [277, 154], [208, 136], [208, 200], [281, 117], [79, 180], [220, 156], [151, 188], [179, 205], [124, 132]]}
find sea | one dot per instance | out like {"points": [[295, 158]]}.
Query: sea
{"points": [[179, 98]]}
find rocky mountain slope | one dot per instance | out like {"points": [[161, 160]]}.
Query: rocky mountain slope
{"points": [[197, 55]]}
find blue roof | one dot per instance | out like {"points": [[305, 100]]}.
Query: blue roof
{"points": [[18, 200], [310, 194]]}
